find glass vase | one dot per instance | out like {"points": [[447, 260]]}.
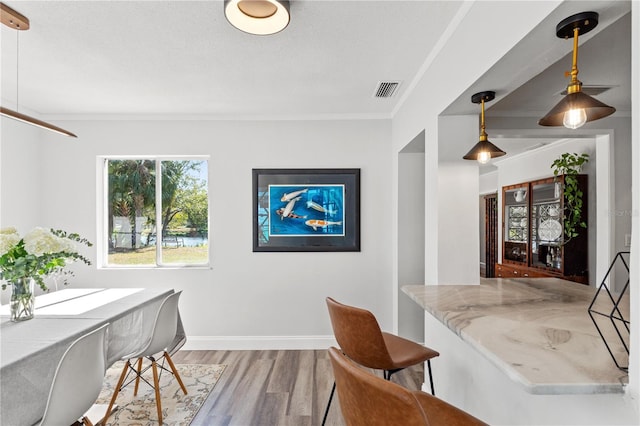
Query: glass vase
{"points": [[22, 299]]}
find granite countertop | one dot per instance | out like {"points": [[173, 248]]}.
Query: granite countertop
{"points": [[538, 331]]}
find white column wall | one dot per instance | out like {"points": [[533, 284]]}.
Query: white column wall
{"points": [[633, 390], [410, 242], [458, 216], [458, 212], [444, 76], [443, 79]]}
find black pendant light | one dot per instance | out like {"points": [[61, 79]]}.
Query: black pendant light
{"points": [[576, 108], [484, 150]]}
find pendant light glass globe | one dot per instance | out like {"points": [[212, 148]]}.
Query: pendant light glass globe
{"points": [[484, 157], [574, 118]]}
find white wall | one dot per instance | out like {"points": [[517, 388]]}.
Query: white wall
{"points": [[246, 299], [20, 175], [410, 240], [633, 391], [465, 56], [458, 217], [444, 76], [458, 213], [489, 183], [537, 164]]}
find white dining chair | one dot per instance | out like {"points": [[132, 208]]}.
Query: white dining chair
{"points": [[77, 381], [161, 336]]}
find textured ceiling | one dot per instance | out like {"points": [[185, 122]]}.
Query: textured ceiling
{"points": [[183, 57], [128, 58]]}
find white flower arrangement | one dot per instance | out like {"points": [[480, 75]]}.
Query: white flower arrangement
{"points": [[39, 253]]}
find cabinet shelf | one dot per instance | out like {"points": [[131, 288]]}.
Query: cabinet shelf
{"points": [[532, 238]]}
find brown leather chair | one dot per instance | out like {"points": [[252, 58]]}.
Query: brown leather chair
{"points": [[368, 400], [359, 336]]}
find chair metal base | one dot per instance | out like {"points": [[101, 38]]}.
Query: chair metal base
{"points": [[387, 376]]}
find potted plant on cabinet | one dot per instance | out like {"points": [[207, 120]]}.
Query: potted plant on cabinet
{"points": [[570, 165]]}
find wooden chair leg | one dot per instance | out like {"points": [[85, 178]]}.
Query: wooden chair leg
{"points": [[139, 370], [156, 385], [86, 421], [115, 393], [175, 372]]}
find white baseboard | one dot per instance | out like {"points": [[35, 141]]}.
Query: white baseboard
{"points": [[258, 342]]}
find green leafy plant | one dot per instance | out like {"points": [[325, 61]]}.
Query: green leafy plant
{"points": [[570, 165], [39, 253]]}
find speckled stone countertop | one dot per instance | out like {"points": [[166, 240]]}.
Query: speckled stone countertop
{"points": [[538, 331]]}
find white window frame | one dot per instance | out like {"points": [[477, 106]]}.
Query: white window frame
{"points": [[102, 224]]}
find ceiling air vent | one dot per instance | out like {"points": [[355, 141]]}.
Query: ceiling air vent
{"points": [[386, 89], [591, 90]]}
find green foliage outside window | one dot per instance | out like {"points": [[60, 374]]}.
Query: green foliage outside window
{"points": [[132, 209]]}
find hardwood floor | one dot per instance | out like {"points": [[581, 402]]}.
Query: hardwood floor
{"points": [[274, 388]]}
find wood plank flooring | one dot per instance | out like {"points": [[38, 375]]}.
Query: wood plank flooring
{"points": [[274, 388]]}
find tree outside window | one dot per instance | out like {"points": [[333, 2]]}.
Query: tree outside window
{"points": [[134, 235]]}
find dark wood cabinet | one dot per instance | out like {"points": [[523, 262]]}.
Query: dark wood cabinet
{"points": [[533, 241], [512, 271]]}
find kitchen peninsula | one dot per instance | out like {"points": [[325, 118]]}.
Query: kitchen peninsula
{"points": [[524, 349]]}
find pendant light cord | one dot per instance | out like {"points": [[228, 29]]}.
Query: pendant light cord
{"points": [[21, 23]]}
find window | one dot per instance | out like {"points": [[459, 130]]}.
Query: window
{"points": [[136, 195]]}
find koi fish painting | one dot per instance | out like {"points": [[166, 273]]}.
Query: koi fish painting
{"points": [[306, 210], [317, 203], [321, 209], [317, 223]]}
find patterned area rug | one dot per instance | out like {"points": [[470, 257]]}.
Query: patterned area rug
{"points": [[178, 409]]}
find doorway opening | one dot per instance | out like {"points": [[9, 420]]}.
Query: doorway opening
{"points": [[489, 239]]}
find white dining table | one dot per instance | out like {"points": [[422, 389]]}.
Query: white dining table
{"points": [[30, 350]]}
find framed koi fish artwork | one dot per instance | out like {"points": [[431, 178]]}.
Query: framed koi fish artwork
{"points": [[306, 209]]}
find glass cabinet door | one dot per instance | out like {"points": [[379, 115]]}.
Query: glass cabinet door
{"points": [[534, 243], [516, 223], [546, 224]]}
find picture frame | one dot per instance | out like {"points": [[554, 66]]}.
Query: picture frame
{"points": [[306, 210]]}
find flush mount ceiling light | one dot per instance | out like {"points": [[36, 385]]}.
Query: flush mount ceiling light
{"points": [[484, 150], [577, 107], [260, 17], [16, 21]]}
